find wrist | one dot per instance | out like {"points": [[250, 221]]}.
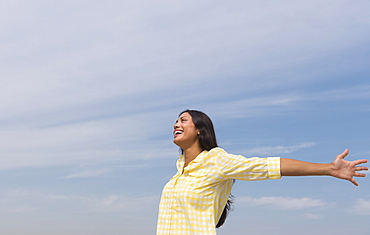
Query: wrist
{"points": [[329, 169]]}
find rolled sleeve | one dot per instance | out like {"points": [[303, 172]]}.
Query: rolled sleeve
{"points": [[273, 165], [241, 168]]}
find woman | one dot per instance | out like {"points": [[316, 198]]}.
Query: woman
{"points": [[195, 200]]}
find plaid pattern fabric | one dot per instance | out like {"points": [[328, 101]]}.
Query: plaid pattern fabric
{"points": [[193, 200]]}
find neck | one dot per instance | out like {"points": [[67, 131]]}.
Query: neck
{"points": [[191, 153]]}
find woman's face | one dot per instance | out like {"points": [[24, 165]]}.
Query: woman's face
{"points": [[185, 134]]}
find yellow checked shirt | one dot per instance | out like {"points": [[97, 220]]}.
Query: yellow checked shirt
{"points": [[193, 200]]}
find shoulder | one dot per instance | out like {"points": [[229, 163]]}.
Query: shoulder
{"points": [[217, 151], [211, 155]]}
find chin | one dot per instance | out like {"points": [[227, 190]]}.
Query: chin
{"points": [[175, 141]]}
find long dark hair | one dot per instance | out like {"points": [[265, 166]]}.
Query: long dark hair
{"points": [[208, 141]]}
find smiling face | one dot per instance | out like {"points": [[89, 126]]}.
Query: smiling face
{"points": [[185, 133]]}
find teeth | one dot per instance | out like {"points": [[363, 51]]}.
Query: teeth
{"points": [[178, 132]]}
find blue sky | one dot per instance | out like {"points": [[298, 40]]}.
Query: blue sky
{"points": [[90, 91]]}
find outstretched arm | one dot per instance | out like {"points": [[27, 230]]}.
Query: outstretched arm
{"points": [[339, 168]]}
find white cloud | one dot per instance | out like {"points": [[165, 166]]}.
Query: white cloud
{"points": [[102, 82], [102, 140], [12, 205], [87, 173], [99, 52], [42, 211], [277, 150], [361, 92], [311, 216], [281, 103], [28, 201], [122, 138], [258, 105], [281, 203], [117, 203], [107, 203], [361, 207]]}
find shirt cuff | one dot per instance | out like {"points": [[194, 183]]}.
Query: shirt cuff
{"points": [[273, 165]]}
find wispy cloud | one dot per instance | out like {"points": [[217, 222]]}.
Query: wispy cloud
{"points": [[277, 150], [282, 203], [281, 103], [90, 86], [311, 216], [70, 72], [108, 203], [257, 105], [35, 202], [119, 138], [87, 173], [349, 93], [11, 204], [361, 207], [123, 204]]}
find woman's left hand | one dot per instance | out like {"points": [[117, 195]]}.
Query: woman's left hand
{"points": [[346, 170]]}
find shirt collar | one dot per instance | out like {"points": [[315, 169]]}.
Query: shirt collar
{"points": [[196, 161]]}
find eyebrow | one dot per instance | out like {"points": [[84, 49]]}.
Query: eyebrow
{"points": [[181, 117]]}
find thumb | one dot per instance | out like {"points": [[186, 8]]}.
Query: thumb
{"points": [[344, 154]]}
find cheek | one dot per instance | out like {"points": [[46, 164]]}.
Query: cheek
{"points": [[195, 136]]}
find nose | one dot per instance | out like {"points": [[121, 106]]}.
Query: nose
{"points": [[176, 125]]}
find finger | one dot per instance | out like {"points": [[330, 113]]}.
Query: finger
{"points": [[344, 154], [359, 175], [361, 161], [354, 182], [361, 168]]}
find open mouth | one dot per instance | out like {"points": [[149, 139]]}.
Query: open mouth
{"points": [[177, 132]]}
